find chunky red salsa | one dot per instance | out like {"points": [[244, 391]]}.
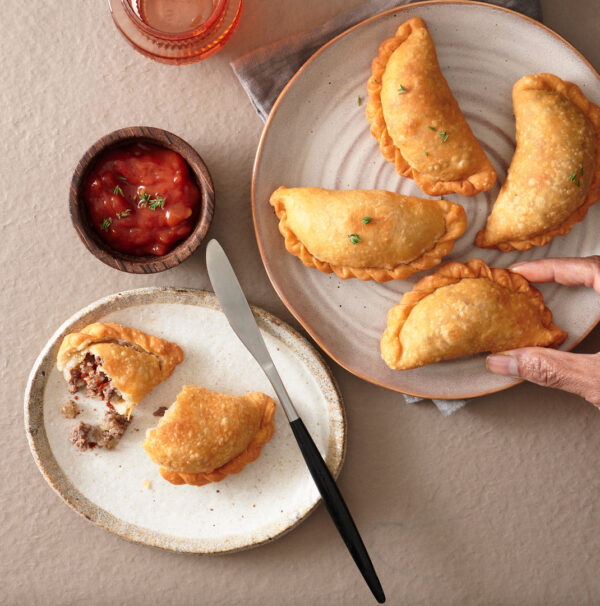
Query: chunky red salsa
{"points": [[142, 199]]}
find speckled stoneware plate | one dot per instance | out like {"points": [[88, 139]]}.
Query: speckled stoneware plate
{"points": [[318, 135], [110, 488]]}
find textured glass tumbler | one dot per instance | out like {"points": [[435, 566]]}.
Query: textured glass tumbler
{"points": [[181, 47]]}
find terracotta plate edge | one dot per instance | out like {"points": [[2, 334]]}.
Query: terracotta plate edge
{"points": [[257, 159]]}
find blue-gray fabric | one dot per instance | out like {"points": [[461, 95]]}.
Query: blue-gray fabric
{"points": [[265, 71]]}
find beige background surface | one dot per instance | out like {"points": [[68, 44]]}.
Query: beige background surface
{"points": [[496, 504]]}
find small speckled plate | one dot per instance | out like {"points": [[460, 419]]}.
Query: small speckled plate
{"points": [[317, 135], [122, 491]]}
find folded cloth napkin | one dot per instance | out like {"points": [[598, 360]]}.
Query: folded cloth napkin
{"points": [[265, 71]]}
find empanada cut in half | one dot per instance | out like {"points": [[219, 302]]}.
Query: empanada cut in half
{"points": [[554, 176], [115, 362], [466, 309], [367, 234], [206, 435], [417, 121]]}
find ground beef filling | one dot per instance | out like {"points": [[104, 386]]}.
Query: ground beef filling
{"points": [[113, 428], [88, 375], [106, 435], [79, 436]]}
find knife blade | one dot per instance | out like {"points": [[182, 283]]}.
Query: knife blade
{"points": [[240, 317]]}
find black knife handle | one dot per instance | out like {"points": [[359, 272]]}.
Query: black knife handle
{"points": [[337, 508]]}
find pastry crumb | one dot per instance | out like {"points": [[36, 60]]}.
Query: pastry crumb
{"points": [[160, 412], [146, 484], [69, 410]]}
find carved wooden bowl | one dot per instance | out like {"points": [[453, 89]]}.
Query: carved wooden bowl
{"points": [[144, 263]]}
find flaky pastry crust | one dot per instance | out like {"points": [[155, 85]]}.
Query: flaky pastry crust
{"points": [[378, 206], [134, 361], [206, 435], [417, 121], [513, 315], [557, 162]]}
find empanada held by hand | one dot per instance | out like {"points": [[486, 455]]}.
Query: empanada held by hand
{"points": [[417, 121], [466, 309], [116, 362], [554, 176], [366, 234], [206, 435]]}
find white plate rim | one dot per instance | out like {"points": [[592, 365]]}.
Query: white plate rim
{"points": [[53, 474]]}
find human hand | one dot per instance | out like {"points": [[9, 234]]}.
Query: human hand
{"points": [[577, 373]]}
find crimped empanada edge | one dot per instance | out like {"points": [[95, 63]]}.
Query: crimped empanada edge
{"points": [[572, 92], [451, 273], [474, 184], [169, 353], [239, 462], [455, 220]]}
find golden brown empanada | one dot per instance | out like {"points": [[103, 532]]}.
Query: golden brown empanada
{"points": [[466, 309], [417, 121], [206, 436], [554, 176], [366, 234], [114, 361]]}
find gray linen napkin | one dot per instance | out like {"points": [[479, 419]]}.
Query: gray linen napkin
{"points": [[265, 71]]}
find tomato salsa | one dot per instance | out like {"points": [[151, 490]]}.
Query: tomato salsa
{"points": [[142, 199]]}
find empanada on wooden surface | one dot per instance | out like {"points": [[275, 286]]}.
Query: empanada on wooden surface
{"points": [[206, 435], [366, 234], [554, 176], [417, 121], [466, 309], [116, 362]]}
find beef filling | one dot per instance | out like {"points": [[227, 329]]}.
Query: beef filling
{"points": [[113, 428], [106, 435], [83, 436], [88, 375]]}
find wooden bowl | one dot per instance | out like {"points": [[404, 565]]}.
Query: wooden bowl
{"points": [[142, 264]]}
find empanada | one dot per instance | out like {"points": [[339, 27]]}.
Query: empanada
{"points": [[466, 309], [554, 176], [417, 121], [206, 436], [366, 234], [116, 362]]}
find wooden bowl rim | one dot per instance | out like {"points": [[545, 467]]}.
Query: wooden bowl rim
{"points": [[143, 263]]}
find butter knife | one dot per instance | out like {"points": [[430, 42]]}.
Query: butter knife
{"points": [[240, 317]]}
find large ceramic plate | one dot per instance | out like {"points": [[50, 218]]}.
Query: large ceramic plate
{"points": [[317, 135], [110, 488]]}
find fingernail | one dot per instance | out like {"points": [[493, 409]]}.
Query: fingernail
{"points": [[502, 364], [517, 266]]}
